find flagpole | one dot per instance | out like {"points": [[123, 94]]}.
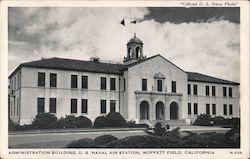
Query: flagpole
{"points": [[130, 23]]}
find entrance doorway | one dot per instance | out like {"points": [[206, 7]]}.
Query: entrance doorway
{"points": [[144, 110], [159, 111], [173, 111]]}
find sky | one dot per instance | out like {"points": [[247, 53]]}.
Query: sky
{"points": [[204, 40]]}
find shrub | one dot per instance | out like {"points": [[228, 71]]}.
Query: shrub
{"points": [[82, 143], [115, 119], [44, 120], [104, 139], [203, 120], [83, 122], [235, 122], [219, 120], [100, 121], [159, 130]]}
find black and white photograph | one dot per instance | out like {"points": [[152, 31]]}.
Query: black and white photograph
{"points": [[126, 80]]}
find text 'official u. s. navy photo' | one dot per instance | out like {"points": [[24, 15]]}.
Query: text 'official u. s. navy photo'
{"points": [[143, 79]]}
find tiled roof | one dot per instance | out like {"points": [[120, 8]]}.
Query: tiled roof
{"points": [[108, 68], [197, 77], [75, 65]]}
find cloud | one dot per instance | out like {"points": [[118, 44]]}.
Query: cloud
{"points": [[80, 33]]}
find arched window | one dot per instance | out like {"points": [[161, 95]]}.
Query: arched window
{"points": [[138, 52], [129, 52]]}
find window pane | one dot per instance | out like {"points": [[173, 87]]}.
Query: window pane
{"points": [[112, 105], [214, 109], [195, 89], [189, 108], [173, 86], [189, 89], [144, 84], [195, 108], [53, 79], [103, 83], [207, 109], [52, 105], [159, 85], [41, 79], [40, 105], [73, 105], [124, 84], [85, 82], [84, 106], [207, 90], [73, 81], [213, 91], [224, 91], [230, 92], [103, 106], [225, 109], [230, 109], [112, 83]]}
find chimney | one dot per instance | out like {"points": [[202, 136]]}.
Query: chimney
{"points": [[95, 59]]}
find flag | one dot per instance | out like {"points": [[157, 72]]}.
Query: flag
{"points": [[134, 22], [123, 22]]}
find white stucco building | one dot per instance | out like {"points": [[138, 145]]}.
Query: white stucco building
{"points": [[140, 89]]}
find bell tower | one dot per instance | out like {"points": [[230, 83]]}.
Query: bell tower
{"points": [[134, 51]]}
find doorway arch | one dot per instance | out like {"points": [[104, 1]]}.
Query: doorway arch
{"points": [[144, 110], [159, 111], [173, 111]]}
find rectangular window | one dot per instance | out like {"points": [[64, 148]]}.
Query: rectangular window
{"points": [[159, 85], [73, 81], [207, 108], [73, 105], [214, 109], [195, 108], [195, 89], [52, 81], [40, 105], [112, 83], [207, 90], [230, 109], [52, 105], [213, 91], [174, 86], [124, 84], [112, 105], [144, 84], [230, 92], [225, 109], [103, 83], [103, 106], [84, 106], [224, 91], [189, 109], [189, 89], [41, 79], [85, 82]]}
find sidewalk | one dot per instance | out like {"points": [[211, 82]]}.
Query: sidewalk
{"points": [[76, 130], [73, 130]]}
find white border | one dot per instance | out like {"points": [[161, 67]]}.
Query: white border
{"points": [[219, 153]]}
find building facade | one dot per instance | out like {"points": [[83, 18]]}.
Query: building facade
{"points": [[141, 89]]}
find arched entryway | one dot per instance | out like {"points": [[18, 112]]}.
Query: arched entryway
{"points": [[159, 110], [173, 111], [144, 110]]}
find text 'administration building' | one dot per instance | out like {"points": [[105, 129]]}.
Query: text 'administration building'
{"points": [[140, 89]]}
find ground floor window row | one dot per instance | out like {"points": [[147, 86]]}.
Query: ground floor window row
{"points": [[227, 109], [73, 105]]}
